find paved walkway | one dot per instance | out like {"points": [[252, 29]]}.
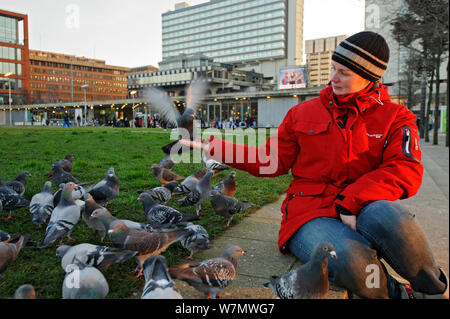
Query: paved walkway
{"points": [[257, 234]]}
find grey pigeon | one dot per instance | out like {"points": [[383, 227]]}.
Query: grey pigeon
{"points": [[158, 283], [200, 194], [59, 176], [189, 183], [84, 282], [162, 194], [64, 218], [66, 164], [9, 251], [210, 276], [11, 200], [167, 162], [1, 206], [158, 215], [25, 292], [100, 257], [144, 242], [164, 175], [162, 103], [42, 205], [197, 241], [93, 223], [228, 186], [214, 165], [77, 194], [309, 281], [227, 206], [20, 183], [106, 189]]}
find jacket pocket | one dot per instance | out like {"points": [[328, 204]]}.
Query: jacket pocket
{"points": [[312, 190], [310, 128]]}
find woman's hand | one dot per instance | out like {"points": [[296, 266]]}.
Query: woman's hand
{"points": [[349, 220], [199, 143]]}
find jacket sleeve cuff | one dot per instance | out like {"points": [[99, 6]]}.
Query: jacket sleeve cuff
{"points": [[346, 206]]}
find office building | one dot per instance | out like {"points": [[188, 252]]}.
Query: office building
{"points": [[255, 35], [318, 58]]}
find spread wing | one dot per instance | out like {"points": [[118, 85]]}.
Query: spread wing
{"points": [[161, 103], [195, 93]]}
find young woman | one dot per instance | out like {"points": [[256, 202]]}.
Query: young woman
{"points": [[352, 153]]}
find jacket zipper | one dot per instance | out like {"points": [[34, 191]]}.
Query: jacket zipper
{"points": [[287, 203]]}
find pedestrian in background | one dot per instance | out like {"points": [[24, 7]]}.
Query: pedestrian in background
{"points": [[66, 119]]}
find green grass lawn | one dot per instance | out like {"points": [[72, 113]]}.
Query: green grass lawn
{"points": [[131, 152]]}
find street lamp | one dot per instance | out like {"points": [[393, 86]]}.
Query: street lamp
{"points": [[84, 87], [132, 93], [7, 75]]}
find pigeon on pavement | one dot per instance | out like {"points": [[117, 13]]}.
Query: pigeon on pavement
{"points": [[162, 194], [84, 282], [20, 183], [100, 257], [228, 186], [9, 251], [169, 112], [227, 206], [59, 176], [210, 276], [11, 200], [199, 240], [158, 283], [66, 164], [106, 189], [164, 175], [159, 215], [144, 242], [200, 194], [25, 292], [63, 219], [189, 183], [42, 205], [309, 281]]}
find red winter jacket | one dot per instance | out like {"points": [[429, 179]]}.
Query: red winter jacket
{"points": [[374, 156]]}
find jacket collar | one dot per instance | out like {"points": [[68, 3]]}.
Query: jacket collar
{"points": [[374, 94]]}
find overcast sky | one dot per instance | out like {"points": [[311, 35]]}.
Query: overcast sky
{"points": [[128, 32]]}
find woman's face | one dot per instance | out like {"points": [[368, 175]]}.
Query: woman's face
{"points": [[345, 81]]}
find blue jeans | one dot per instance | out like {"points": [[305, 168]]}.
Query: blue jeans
{"points": [[66, 123], [384, 230]]}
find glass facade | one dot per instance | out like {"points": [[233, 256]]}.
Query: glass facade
{"points": [[228, 30], [8, 30]]}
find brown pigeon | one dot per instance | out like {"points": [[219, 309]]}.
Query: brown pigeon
{"points": [[66, 164], [164, 175], [228, 186], [9, 250]]}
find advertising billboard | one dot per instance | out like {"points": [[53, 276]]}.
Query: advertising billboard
{"points": [[292, 78]]}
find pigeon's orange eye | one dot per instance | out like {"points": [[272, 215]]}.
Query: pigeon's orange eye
{"points": [[325, 248]]}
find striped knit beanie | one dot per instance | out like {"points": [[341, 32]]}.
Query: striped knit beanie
{"points": [[365, 53]]}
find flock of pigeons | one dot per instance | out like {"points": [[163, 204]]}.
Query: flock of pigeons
{"points": [[84, 263]]}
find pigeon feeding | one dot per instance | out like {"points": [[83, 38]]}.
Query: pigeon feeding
{"points": [[59, 176], [169, 112], [144, 242], [84, 282], [216, 166], [63, 219], [161, 215], [106, 189], [164, 175], [309, 281], [210, 276], [227, 206], [228, 186], [42, 205], [20, 183], [11, 200], [25, 292], [66, 164], [10, 250], [100, 257], [189, 183], [200, 194], [199, 240], [158, 283], [162, 194]]}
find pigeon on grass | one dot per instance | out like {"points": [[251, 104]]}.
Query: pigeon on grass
{"points": [[164, 175], [25, 292], [66, 164], [11, 200], [106, 189], [158, 283], [162, 194], [42, 205], [200, 194], [310, 280], [189, 183], [197, 241], [210, 276], [228, 186], [20, 183], [9, 250]]}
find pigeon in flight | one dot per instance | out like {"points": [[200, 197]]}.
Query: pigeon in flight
{"points": [[162, 103], [20, 183], [42, 205], [210, 276], [158, 283], [227, 206], [310, 280]]}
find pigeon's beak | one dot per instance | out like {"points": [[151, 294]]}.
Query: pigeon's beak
{"points": [[333, 254]]}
